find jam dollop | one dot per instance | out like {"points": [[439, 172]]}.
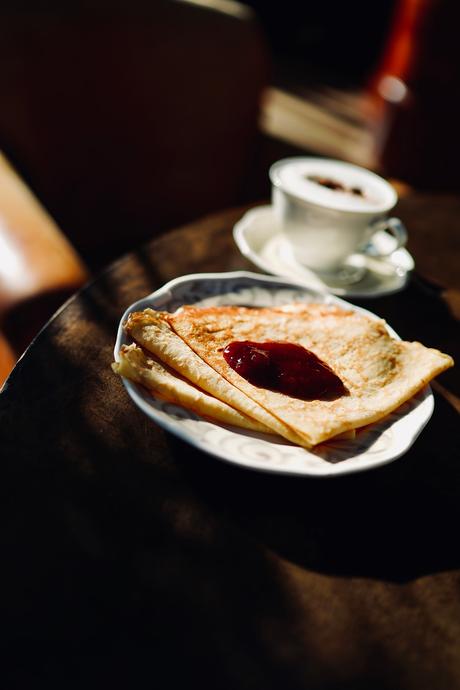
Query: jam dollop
{"points": [[284, 367]]}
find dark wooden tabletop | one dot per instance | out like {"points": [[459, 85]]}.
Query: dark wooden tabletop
{"points": [[130, 559]]}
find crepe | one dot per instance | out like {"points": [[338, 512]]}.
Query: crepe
{"points": [[136, 366], [151, 330], [379, 372]]}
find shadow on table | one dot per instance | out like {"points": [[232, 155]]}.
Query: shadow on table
{"points": [[395, 523], [126, 550], [115, 569]]}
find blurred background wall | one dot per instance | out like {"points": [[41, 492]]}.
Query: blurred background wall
{"points": [[335, 43], [126, 118]]}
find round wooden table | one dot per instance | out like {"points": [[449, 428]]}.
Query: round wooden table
{"points": [[130, 559]]}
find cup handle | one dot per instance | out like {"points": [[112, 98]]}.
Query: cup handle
{"points": [[394, 227]]}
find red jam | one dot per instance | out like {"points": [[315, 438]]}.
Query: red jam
{"points": [[286, 368]]}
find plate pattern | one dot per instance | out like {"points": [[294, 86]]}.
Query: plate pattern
{"points": [[373, 446]]}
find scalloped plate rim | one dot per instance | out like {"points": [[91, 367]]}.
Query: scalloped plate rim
{"points": [[424, 399]]}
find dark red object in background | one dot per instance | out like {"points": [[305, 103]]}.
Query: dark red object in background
{"points": [[422, 142]]}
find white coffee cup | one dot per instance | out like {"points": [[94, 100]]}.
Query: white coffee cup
{"points": [[329, 211]]}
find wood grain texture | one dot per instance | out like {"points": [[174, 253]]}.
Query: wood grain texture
{"points": [[131, 558], [7, 359], [36, 256]]}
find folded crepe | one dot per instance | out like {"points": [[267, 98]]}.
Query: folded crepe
{"points": [[151, 330], [185, 363], [379, 373], [153, 375]]}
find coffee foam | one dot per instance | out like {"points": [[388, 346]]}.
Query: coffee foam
{"points": [[291, 175]]}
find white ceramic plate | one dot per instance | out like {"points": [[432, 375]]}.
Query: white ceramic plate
{"points": [[260, 240], [377, 445]]}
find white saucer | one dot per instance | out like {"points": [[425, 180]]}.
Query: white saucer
{"points": [[259, 239]]}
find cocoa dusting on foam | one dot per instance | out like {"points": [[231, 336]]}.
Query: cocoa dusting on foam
{"points": [[335, 186]]}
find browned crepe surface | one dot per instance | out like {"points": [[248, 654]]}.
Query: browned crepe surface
{"points": [[151, 330], [158, 378], [379, 372]]}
